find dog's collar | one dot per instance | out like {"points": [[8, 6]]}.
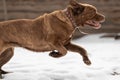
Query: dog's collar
{"points": [[70, 17]]}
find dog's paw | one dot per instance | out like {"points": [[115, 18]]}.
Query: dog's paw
{"points": [[87, 61], [55, 54]]}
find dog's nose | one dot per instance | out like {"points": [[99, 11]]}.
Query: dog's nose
{"points": [[103, 20]]}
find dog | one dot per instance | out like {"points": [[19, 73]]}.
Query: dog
{"points": [[49, 32]]}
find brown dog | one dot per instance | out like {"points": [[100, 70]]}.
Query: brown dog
{"points": [[49, 32]]}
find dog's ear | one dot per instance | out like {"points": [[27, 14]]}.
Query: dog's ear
{"points": [[78, 11], [74, 3], [77, 8]]}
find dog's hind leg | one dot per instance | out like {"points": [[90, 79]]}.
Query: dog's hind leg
{"points": [[4, 58], [3, 46]]}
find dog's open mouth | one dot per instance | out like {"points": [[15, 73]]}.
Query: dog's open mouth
{"points": [[94, 24]]}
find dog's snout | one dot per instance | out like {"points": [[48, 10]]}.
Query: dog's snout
{"points": [[99, 17]]}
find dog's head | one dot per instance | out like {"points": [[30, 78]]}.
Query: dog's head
{"points": [[85, 14]]}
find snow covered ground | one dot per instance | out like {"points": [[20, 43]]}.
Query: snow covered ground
{"points": [[103, 52]]}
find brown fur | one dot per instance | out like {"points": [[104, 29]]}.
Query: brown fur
{"points": [[49, 32]]}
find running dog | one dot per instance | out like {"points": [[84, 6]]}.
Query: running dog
{"points": [[49, 32]]}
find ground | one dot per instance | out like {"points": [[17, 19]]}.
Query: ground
{"points": [[103, 52]]}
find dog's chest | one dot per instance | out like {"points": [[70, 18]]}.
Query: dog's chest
{"points": [[67, 40]]}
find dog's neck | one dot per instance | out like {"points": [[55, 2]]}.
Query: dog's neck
{"points": [[70, 17]]}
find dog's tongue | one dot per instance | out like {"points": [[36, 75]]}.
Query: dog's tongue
{"points": [[94, 24], [97, 25]]}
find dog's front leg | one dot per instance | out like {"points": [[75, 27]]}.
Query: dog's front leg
{"points": [[61, 51], [80, 50]]}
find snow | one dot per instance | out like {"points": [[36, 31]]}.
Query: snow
{"points": [[103, 52]]}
